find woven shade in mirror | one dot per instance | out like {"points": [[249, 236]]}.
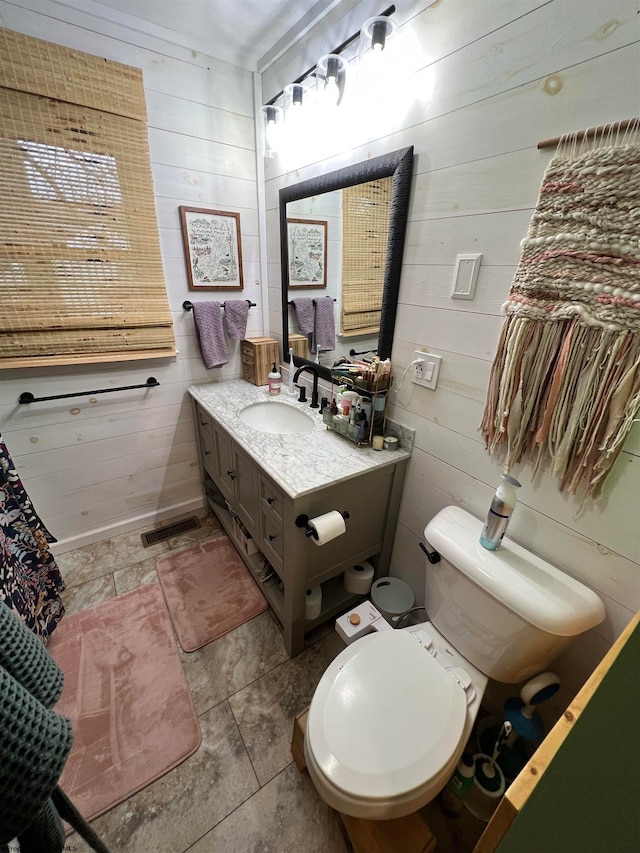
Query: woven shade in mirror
{"points": [[365, 234]]}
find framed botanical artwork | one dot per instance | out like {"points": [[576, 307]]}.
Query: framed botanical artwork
{"points": [[307, 249], [212, 249]]}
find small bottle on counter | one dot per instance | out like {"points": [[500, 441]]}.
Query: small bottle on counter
{"points": [[275, 380], [457, 788]]}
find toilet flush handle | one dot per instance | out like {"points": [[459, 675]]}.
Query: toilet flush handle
{"points": [[432, 555]]}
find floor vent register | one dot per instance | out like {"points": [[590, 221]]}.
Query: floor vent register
{"points": [[170, 530]]}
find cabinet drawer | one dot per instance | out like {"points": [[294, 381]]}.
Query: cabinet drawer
{"points": [[205, 427], [272, 540], [209, 457], [271, 499]]}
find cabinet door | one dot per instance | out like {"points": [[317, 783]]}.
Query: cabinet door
{"points": [[226, 465], [246, 484]]}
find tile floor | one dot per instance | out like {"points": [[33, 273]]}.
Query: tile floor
{"points": [[240, 792]]}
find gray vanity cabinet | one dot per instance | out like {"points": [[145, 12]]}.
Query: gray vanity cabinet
{"points": [[269, 514]]}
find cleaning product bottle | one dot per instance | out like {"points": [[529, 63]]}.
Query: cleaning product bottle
{"points": [[292, 370], [457, 788], [499, 513], [275, 380]]}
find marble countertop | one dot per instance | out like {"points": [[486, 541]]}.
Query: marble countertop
{"points": [[301, 463]]}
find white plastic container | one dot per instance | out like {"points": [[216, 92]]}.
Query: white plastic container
{"points": [[392, 597], [499, 513]]}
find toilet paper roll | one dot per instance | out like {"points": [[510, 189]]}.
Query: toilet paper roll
{"points": [[327, 527], [358, 579], [313, 603]]}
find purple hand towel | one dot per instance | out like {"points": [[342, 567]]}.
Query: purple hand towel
{"points": [[324, 329], [210, 334], [236, 313], [304, 312]]}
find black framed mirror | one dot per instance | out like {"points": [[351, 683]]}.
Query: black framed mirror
{"points": [[398, 166]]}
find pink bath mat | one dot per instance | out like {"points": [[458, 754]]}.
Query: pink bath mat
{"points": [[209, 591], [127, 697]]}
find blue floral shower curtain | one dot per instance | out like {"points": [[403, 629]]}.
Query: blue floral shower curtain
{"points": [[30, 581]]}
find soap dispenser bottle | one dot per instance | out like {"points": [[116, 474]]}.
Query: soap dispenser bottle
{"points": [[499, 513], [275, 380]]}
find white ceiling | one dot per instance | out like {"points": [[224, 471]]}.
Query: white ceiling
{"points": [[237, 31]]}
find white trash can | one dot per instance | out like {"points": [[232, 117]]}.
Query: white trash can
{"points": [[392, 597]]}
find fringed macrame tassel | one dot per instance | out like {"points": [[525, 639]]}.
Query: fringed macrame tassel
{"points": [[565, 393]]}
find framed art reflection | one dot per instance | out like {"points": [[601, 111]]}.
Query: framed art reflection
{"points": [[307, 244]]}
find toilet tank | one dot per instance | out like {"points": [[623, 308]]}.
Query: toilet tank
{"points": [[509, 612]]}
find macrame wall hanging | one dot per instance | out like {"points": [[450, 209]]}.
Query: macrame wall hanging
{"points": [[565, 382]]}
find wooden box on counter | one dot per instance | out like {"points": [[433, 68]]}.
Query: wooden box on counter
{"points": [[258, 354]]}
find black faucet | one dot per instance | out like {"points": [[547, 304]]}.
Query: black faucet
{"points": [[314, 392]]}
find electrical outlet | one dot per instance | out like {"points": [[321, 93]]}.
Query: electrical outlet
{"points": [[426, 373]]}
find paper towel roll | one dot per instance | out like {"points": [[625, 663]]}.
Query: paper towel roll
{"points": [[313, 603], [358, 578], [327, 526]]}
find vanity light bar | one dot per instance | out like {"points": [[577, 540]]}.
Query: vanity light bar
{"points": [[337, 50]]}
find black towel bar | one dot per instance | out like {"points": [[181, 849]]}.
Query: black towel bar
{"points": [[188, 306], [27, 396], [313, 300]]}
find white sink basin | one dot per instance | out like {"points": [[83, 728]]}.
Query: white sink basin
{"points": [[276, 417]]}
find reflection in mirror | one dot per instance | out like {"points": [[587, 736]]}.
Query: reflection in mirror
{"points": [[342, 236], [351, 237]]}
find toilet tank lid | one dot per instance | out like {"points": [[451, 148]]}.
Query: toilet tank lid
{"points": [[527, 584]]}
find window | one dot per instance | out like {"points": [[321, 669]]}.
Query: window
{"points": [[80, 270]]}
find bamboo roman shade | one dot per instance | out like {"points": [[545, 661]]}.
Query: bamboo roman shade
{"points": [[365, 234], [80, 265]]}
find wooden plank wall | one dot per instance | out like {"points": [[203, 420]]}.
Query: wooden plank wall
{"points": [[99, 466], [492, 79]]}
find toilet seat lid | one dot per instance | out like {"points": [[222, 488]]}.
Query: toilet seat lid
{"points": [[385, 718]]}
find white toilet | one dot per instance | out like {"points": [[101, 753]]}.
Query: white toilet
{"points": [[391, 715]]}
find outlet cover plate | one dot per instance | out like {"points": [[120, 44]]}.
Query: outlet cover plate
{"points": [[430, 370]]}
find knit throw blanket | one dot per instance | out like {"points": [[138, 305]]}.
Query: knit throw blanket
{"points": [[565, 382]]}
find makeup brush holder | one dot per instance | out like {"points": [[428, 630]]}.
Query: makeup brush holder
{"points": [[487, 790]]}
